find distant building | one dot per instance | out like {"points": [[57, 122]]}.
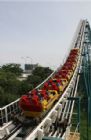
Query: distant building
{"points": [[29, 68]]}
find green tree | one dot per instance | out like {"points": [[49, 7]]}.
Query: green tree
{"points": [[9, 87], [38, 75], [9, 82], [34, 80], [13, 68], [25, 86], [42, 72]]}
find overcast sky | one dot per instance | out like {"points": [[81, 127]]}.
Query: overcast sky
{"points": [[39, 31]]}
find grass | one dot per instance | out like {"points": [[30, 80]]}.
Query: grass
{"points": [[85, 130]]}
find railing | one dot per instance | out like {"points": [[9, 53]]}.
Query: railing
{"points": [[5, 112]]}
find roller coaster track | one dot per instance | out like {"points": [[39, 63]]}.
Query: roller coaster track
{"points": [[62, 109]]}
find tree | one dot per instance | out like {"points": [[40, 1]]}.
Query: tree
{"points": [[9, 87], [13, 68], [25, 86], [34, 80], [38, 75], [9, 82], [43, 72]]}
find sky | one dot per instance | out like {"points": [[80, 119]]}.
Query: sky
{"points": [[39, 31]]}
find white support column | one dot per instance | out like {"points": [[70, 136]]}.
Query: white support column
{"points": [[7, 131], [47, 125], [54, 116], [59, 110], [63, 115], [6, 115], [40, 134]]}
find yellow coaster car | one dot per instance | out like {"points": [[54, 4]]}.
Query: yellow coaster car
{"points": [[32, 109], [61, 83]]}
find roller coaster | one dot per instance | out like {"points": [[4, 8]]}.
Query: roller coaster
{"points": [[46, 111]]}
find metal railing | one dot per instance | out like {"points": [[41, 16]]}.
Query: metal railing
{"points": [[6, 111]]}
